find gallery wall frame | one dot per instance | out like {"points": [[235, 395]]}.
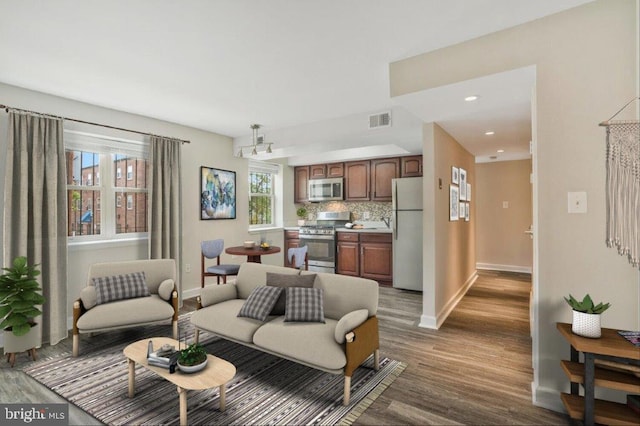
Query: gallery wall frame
{"points": [[463, 184], [455, 175], [217, 193], [454, 203]]}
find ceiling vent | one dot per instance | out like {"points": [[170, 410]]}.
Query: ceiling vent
{"points": [[382, 119]]}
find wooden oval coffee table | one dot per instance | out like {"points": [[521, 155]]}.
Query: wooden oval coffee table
{"points": [[216, 374]]}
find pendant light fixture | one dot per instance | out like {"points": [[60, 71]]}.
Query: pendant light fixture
{"points": [[257, 143]]}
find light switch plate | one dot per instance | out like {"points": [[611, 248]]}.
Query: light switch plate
{"points": [[577, 202]]}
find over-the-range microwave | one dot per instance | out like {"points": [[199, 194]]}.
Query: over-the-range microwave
{"points": [[326, 189]]}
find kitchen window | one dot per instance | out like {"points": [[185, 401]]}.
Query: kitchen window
{"points": [[265, 195], [97, 191]]}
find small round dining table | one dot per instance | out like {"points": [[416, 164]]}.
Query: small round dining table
{"points": [[253, 254]]}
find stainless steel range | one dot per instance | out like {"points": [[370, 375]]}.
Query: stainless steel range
{"points": [[320, 240]]}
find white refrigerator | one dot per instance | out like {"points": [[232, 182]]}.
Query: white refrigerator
{"points": [[407, 233]]}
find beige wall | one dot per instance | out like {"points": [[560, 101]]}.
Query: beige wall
{"points": [[452, 243], [586, 67], [205, 149], [501, 243]]}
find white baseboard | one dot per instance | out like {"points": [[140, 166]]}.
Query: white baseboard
{"points": [[505, 268], [547, 398], [191, 294], [428, 321]]}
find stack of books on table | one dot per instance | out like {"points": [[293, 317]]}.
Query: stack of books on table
{"points": [[164, 358]]}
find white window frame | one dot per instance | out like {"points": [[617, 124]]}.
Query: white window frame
{"points": [[276, 197], [129, 172], [106, 147]]}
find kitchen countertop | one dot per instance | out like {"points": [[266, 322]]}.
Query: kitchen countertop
{"points": [[366, 230]]}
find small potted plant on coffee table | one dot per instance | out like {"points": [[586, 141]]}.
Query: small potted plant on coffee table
{"points": [[586, 316], [192, 359], [19, 298]]}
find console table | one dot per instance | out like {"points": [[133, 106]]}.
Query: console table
{"points": [[611, 347]]}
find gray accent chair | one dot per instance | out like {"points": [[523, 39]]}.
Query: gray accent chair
{"points": [[161, 307]]}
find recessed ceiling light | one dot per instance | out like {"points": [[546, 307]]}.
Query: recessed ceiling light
{"points": [[489, 133], [471, 98], [500, 151]]}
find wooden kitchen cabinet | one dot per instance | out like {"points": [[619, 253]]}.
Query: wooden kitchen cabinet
{"points": [[411, 166], [291, 239], [317, 171], [376, 257], [357, 180], [382, 172], [335, 170], [367, 255], [301, 184], [348, 254]]}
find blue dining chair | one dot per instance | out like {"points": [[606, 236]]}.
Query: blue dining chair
{"points": [[212, 249]]}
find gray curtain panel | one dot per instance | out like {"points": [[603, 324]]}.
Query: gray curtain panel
{"points": [[165, 201], [35, 211], [623, 189]]}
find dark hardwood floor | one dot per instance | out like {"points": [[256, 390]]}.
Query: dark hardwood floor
{"points": [[475, 370]]}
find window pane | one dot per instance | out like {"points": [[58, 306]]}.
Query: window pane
{"points": [[260, 183], [136, 171], [81, 167], [83, 219], [131, 215], [260, 210]]}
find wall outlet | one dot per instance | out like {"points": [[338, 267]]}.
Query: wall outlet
{"points": [[505, 204], [366, 215], [187, 267]]}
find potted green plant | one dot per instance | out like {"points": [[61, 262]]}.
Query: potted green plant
{"points": [[192, 359], [586, 316], [301, 212], [20, 294]]}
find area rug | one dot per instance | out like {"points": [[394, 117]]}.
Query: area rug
{"points": [[265, 390]]}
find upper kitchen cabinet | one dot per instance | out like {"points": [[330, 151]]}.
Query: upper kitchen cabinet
{"points": [[335, 170], [411, 166], [317, 171], [357, 180], [382, 172], [301, 184], [321, 171]]}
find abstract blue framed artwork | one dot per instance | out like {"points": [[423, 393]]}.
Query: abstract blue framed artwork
{"points": [[217, 194]]}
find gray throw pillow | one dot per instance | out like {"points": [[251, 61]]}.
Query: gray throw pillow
{"points": [[260, 302], [284, 281], [304, 305], [119, 287]]}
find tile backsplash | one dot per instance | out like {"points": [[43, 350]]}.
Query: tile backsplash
{"points": [[376, 210]]}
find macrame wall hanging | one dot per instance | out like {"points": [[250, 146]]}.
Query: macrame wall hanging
{"points": [[623, 186]]}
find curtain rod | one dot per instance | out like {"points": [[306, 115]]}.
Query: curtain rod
{"points": [[7, 108]]}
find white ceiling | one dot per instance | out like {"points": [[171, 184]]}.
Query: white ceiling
{"points": [[296, 67]]}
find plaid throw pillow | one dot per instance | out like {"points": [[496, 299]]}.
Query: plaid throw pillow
{"points": [[260, 302], [284, 281], [119, 287], [304, 305]]}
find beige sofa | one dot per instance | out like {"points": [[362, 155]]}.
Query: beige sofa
{"points": [[160, 306], [341, 344]]}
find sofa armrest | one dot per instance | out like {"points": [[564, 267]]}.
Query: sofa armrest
{"points": [[365, 341], [212, 294], [348, 322]]}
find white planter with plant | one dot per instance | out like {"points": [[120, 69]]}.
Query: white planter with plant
{"points": [[20, 294], [586, 316], [302, 215]]}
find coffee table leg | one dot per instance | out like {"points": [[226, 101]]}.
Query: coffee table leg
{"points": [[183, 405], [132, 378], [223, 401]]}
